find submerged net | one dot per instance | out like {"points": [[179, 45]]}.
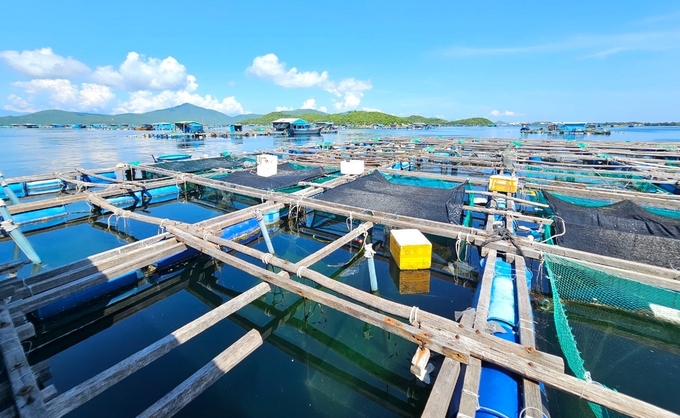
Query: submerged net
{"points": [[286, 176], [572, 281], [375, 192], [622, 230], [203, 164]]}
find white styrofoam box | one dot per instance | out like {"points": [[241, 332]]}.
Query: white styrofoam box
{"points": [[352, 167], [266, 165]]}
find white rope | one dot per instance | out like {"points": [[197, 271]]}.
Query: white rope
{"points": [[476, 395], [266, 258], [162, 224], [413, 316], [528, 408], [299, 271], [206, 235]]}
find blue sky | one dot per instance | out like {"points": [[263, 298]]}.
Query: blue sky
{"points": [[511, 61]]}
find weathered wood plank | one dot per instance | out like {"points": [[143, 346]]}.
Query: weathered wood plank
{"points": [[27, 396], [533, 403], [188, 390], [469, 397], [78, 395], [485, 292], [329, 248], [442, 391]]}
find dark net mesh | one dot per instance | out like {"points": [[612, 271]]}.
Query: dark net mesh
{"points": [[285, 176], [203, 164], [622, 230], [375, 192]]}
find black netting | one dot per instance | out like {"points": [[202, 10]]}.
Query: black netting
{"points": [[375, 192], [203, 164], [623, 230], [285, 176]]}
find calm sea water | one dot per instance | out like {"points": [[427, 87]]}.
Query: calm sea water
{"points": [[315, 361], [38, 151]]}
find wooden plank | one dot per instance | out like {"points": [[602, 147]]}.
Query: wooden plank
{"points": [[329, 248], [442, 391], [485, 292], [533, 403], [34, 302], [28, 399], [78, 395], [484, 344], [454, 348], [512, 198], [534, 219], [197, 383], [469, 397], [458, 346]]}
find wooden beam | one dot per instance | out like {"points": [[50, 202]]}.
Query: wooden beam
{"points": [[78, 395], [469, 397], [534, 219], [485, 292], [438, 403], [533, 403], [28, 399], [188, 390]]}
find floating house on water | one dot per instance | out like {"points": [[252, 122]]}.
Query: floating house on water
{"points": [[572, 127], [163, 126], [189, 127], [293, 126]]}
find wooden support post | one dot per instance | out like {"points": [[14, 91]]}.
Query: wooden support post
{"points": [[329, 248], [533, 404], [188, 390], [73, 398], [27, 396]]}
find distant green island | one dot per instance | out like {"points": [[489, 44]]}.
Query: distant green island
{"points": [[188, 112], [212, 117]]}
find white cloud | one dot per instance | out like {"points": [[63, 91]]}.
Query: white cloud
{"points": [[309, 104], [269, 67], [499, 113], [370, 109], [145, 100], [94, 95], [18, 104], [139, 73], [351, 90], [351, 101], [61, 92], [322, 109], [283, 108], [43, 63]]}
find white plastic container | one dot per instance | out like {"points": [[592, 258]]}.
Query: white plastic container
{"points": [[266, 165], [352, 167]]}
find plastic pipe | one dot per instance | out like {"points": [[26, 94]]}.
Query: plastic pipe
{"points": [[368, 254], [8, 226], [8, 191], [265, 232]]}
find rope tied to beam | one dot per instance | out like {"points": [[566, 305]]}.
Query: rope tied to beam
{"points": [[526, 410], [266, 258], [413, 316], [162, 224], [300, 270], [500, 234]]}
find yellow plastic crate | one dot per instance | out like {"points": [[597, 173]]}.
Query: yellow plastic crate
{"points": [[503, 184], [410, 249], [410, 282]]}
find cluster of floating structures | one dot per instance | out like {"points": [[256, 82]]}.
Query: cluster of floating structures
{"points": [[499, 203], [567, 128]]}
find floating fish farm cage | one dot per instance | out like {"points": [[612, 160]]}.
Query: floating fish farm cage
{"points": [[389, 277]]}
